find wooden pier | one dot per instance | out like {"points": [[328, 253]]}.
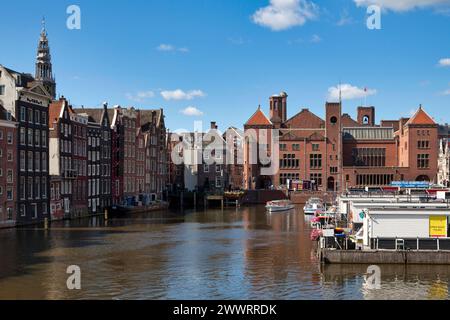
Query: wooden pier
{"points": [[224, 202]]}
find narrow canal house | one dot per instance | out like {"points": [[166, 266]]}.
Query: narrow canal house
{"points": [[68, 178], [117, 154], [124, 155], [202, 158], [157, 154], [212, 174], [79, 162], [99, 157], [142, 195], [27, 99], [176, 170], [8, 168], [234, 166], [61, 174]]}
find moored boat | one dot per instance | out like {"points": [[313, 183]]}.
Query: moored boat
{"points": [[279, 205], [313, 206]]}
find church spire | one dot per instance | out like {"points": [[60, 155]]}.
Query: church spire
{"points": [[44, 73]]}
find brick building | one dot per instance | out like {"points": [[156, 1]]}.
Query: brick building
{"points": [[202, 163], [27, 99], [157, 154], [234, 165], [176, 170], [139, 140], [79, 163], [339, 152], [61, 174], [8, 168], [99, 157]]}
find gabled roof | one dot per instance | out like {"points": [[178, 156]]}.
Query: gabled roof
{"points": [[258, 119], [316, 136], [421, 117], [305, 119], [55, 111], [238, 132], [348, 121], [95, 114], [147, 116], [301, 134]]}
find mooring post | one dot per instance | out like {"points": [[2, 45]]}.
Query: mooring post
{"points": [[181, 200], [46, 223], [195, 200], [106, 214], [222, 203]]}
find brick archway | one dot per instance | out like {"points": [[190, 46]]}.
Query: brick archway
{"points": [[330, 184], [424, 178]]}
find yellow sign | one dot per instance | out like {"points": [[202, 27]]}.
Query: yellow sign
{"points": [[438, 226]]}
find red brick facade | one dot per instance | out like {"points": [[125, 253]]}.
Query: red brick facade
{"points": [[338, 152], [8, 168]]}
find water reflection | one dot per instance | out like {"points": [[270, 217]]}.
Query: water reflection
{"points": [[235, 254]]}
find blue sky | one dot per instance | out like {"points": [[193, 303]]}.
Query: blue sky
{"points": [[224, 57]]}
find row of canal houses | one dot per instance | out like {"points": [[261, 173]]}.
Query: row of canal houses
{"points": [[102, 157], [57, 161]]}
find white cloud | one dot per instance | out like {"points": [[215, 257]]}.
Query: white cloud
{"points": [[237, 41], [446, 92], [316, 39], [444, 62], [165, 47], [284, 14], [345, 19], [181, 95], [191, 112], [402, 5], [171, 48], [140, 96], [349, 92]]}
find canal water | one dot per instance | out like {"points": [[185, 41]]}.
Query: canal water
{"points": [[236, 254]]}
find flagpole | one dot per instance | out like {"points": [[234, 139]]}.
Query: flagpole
{"points": [[365, 97]]}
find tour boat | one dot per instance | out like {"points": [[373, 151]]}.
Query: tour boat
{"points": [[313, 206], [279, 205]]}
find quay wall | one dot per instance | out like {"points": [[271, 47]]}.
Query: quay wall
{"points": [[301, 197], [262, 196], [385, 257]]}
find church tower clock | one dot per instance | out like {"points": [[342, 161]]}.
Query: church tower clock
{"points": [[44, 73]]}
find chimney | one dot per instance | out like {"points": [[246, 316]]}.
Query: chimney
{"points": [[213, 125]]}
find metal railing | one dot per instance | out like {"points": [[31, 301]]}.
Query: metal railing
{"points": [[414, 244]]}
